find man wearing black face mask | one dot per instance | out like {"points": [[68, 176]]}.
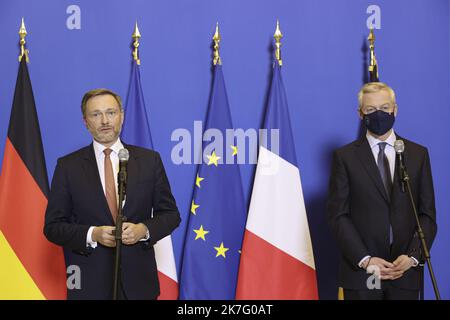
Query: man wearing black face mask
{"points": [[369, 215]]}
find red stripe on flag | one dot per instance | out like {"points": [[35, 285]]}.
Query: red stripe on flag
{"points": [[266, 272], [168, 287], [22, 211]]}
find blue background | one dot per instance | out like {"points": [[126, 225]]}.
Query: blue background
{"points": [[324, 53]]}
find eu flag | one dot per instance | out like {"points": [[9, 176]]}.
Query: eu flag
{"points": [[217, 216]]}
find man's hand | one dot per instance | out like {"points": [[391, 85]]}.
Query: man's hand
{"points": [[132, 233], [387, 270], [402, 264], [104, 235], [380, 267]]}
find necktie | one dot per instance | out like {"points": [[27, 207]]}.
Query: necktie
{"points": [[385, 172], [383, 167], [110, 189]]}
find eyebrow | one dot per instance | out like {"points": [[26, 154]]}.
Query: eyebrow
{"points": [[107, 110], [381, 105]]}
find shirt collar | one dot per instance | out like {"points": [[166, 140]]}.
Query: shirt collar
{"points": [[99, 148], [373, 142]]}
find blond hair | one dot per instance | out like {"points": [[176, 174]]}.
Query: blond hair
{"points": [[372, 87]]}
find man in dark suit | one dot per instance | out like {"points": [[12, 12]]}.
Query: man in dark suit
{"points": [[83, 204], [370, 216]]}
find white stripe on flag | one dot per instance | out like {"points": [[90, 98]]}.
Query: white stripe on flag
{"points": [[165, 259], [277, 210]]}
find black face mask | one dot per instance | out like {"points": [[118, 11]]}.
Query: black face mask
{"points": [[379, 122]]}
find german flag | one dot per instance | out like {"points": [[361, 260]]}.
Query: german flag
{"points": [[30, 266]]}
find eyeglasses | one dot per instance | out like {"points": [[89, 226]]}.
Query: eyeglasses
{"points": [[97, 115], [388, 108]]}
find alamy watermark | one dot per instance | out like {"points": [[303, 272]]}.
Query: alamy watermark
{"points": [[73, 281], [231, 146], [374, 281]]}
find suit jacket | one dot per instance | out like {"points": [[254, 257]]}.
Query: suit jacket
{"points": [[360, 211], [77, 201]]}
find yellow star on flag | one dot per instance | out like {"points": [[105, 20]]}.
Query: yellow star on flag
{"points": [[235, 150], [194, 207], [221, 250], [213, 159], [198, 180], [200, 233]]}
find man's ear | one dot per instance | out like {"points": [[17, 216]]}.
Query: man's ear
{"points": [[360, 114], [395, 110]]}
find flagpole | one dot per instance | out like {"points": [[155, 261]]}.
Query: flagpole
{"points": [[23, 34], [278, 35], [373, 67], [136, 36], [217, 38]]}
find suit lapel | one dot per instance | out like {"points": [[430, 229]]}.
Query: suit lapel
{"points": [[91, 172], [365, 155]]}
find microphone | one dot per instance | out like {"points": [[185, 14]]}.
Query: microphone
{"points": [[399, 147], [124, 155]]}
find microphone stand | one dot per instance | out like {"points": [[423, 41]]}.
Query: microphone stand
{"points": [[421, 280], [405, 179], [122, 178]]}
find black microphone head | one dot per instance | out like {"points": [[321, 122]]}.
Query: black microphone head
{"points": [[399, 146], [124, 155]]}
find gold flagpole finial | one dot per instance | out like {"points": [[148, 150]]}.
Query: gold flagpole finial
{"points": [[23, 34], [373, 67], [217, 39], [371, 37], [278, 35], [136, 36]]}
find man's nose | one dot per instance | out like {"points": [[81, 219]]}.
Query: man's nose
{"points": [[105, 119]]}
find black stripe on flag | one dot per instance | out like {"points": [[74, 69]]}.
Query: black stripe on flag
{"points": [[24, 132]]}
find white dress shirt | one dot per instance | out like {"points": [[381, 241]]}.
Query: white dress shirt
{"points": [[389, 150], [100, 158]]}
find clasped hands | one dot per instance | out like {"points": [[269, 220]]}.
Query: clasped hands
{"points": [[131, 233], [387, 270]]}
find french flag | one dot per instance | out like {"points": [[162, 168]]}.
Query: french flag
{"points": [[277, 260], [136, 131]]}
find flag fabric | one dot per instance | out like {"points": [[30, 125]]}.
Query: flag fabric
{"points": [[277, 258], [217, 217], [31, 267], [136, 128], [373, 73], [136, 131]]}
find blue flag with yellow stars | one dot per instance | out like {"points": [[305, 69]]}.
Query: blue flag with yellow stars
{"points": [[217, 216]]}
